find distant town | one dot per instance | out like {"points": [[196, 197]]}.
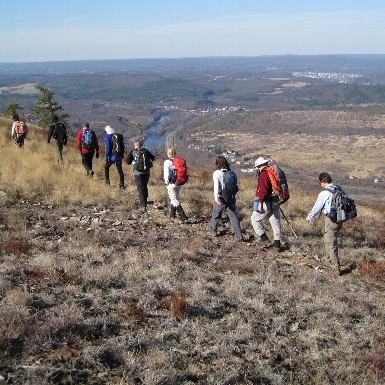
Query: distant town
{"points": [[331, 76]]}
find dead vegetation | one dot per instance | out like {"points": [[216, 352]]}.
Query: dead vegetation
{"points": [[94, 292]]}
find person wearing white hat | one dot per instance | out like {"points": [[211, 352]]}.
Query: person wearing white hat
{"points": [[112, 158], [266, 208]]}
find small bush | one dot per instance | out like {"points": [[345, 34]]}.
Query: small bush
{"points": [[16, 246]]}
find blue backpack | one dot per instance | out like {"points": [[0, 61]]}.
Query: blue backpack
{"points": [[230, 188], [88, 139]]}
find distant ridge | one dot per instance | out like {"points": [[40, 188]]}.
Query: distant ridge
{"points": [[193, 64]]}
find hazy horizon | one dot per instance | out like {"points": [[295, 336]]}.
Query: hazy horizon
{"points": [[45, 31]]}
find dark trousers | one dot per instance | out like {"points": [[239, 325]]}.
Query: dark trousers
{"points": [[87, 161], [231, 213], [141, 182], [120, 172]]}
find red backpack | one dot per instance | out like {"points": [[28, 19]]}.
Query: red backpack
{"points": [[180, 171], [21, 128], [278, 183]]}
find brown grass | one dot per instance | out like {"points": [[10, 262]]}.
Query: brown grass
{"points": [[99, 293]]}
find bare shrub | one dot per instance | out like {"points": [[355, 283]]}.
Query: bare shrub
{"points": [[178, 304], [17, 246], [372, 269]]}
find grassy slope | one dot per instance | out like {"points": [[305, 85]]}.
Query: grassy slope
{"points": [[93, 292]]}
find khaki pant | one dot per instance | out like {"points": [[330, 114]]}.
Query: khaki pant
{"points": [[58, 151], [331, 244], [272, 212]]}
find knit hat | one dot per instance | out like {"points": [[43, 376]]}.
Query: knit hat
{"points": [[109, 130], [260, 161]]}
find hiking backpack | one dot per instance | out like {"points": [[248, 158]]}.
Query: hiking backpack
{"points": [[142, 160], [230, 187], [21, 129], [180, 175], [117, 145], [88, 139], [343, 207], [56, 132], [280, 188]]}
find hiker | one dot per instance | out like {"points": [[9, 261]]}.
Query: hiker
{"points": [[141, 160], [265, 207], [19, 131], [173, 188], [113, 156], [87, 143], [220, 203], [58, 133], [324, 201]]}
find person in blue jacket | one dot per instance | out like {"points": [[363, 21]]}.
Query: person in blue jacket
{"points": [[112, 159]]}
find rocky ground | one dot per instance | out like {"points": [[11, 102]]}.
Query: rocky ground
{"points": [[93, 295]]}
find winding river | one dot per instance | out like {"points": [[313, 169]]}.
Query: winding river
{"points": [[154, 141]]}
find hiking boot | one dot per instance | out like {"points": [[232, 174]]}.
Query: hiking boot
{"points": [[264, 239], [107, 182], [172, 212], [90, 173], [144, 209], [181, 213], [277, 244]]}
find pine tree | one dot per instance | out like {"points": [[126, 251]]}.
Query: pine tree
{"points": [[46, 108], [12, 109]]}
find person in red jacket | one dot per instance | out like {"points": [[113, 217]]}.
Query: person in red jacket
{"points": [[266, 208], [88, 145]]}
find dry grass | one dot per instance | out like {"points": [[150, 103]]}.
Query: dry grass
{"points": [[94, 292]]}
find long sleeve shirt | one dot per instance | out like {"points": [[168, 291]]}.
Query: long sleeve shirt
{"points": [[86, 150], [324, 201], [219, 183], [110, 157], [264, 189], [168, 171]]}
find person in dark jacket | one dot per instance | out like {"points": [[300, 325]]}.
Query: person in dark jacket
{"points": [[141, 174], [266, 207], [58, 133], [112, 158], [87, 149]]}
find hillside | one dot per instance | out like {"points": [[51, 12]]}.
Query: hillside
{"points": [[92, 291]]}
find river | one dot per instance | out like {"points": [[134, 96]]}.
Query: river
{"points": [[154, 141]]}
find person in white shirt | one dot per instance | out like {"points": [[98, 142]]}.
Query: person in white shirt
{"points": [[324, 202], [220, 203], [172, 189]]}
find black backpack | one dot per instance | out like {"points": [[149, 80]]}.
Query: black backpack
{"points": [[142, 160], [59, 129], [117, 145], [230, 188], [343, 207]]}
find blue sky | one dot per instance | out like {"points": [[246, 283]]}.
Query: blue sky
{"points": [[42, 30]]}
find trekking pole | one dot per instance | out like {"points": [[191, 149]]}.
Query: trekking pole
{"points": [[283, 214]]}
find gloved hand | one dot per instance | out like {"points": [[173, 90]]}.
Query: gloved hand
{"points": [[97, 155]]}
